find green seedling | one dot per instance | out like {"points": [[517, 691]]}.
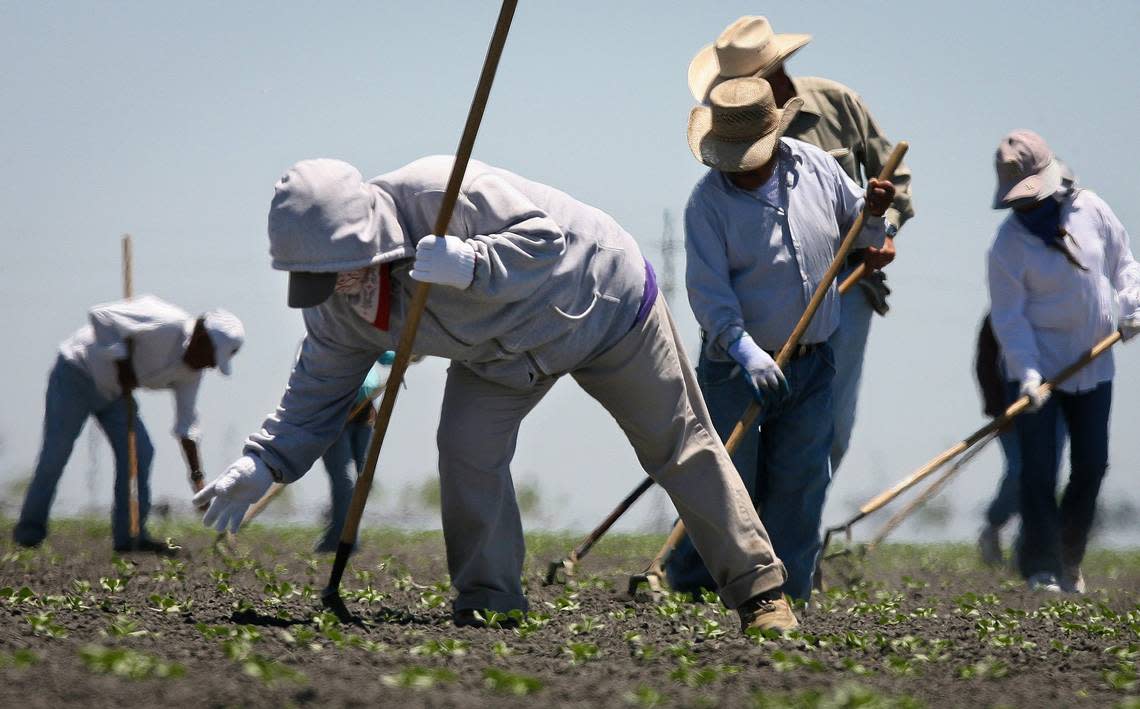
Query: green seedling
{"points": [[81, 586], [492, 619], [509, 683], [626, 613], [44, 625], [699, 677], [1123, 678], [125, 568], [644, 696], [270, 671], [566, 603], [501, 649], [788, 662], [130, 664], [587, 625], [112, 585], [18, 597], [442, 648], [431, 599], [581, 653], [988, 668], [171, 571], [418, 677], [18, 659], [169, 604], [124, 627]]}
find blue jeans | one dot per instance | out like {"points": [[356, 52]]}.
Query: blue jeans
{"points": [[849, 342], [343, 461], [1005, 503], [1050, 530], [71, 398], [783, 463], [1008, 498]]}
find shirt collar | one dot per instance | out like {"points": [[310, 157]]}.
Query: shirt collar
{"points": [[811, 105]]}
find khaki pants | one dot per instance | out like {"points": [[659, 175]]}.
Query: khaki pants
{"points": [[647, 384]]}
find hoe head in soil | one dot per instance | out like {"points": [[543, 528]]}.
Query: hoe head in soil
{"points": [[841, 562], [561, 571]]}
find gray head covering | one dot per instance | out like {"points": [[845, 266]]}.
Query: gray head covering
{"points": [[325, 219]]}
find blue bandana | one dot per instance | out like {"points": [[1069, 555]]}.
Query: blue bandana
{"points": [[1043, 222]]}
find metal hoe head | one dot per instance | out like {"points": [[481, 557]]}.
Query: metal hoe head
{"points": [[331, 600], [651, 578], [561, 571]]}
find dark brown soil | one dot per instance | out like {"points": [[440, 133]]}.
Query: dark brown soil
{"points": [[927, 626]]}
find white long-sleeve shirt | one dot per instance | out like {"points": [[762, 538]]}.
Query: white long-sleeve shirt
{"points": [[160, 332], [1046, 312]]}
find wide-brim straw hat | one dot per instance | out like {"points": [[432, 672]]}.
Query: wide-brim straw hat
{"points": [[739, 129], [747, 47]]}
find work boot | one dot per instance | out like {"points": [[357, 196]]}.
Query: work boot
{"points": [[768, 611], [989, 545], [1044, 582]]}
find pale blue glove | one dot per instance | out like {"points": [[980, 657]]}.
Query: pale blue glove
{"points": [[446, 260], [231, 493], [760, 371]]}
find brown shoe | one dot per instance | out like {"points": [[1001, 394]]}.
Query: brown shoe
{"points": [[767, 613]]}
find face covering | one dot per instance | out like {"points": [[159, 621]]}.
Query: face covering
{"points": [[1045, 223]]}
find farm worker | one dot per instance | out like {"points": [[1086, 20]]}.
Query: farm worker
{"points": [[1061, 277], [996, 398], [344, 459], [761, 228], [833, 117], [531, 285], [143, 342]]}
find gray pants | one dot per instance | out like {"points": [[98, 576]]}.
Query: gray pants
{"points": [[647, 384]]}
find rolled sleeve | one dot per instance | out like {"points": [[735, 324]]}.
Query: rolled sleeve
{"points": [[322, 387], [714, 303]]}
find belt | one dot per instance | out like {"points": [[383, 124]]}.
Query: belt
{"points": [[799, 351]]}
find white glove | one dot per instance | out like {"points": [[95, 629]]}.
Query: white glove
{"points": [[760, 370], [1030, 385], [447, 260], [1130, 326], [232, 492]]}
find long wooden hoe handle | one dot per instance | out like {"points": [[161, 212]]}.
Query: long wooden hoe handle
{"points": [[785, 354], [419, 299], [132, 408], [1014, 410]]}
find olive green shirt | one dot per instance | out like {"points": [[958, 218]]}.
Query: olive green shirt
{"points": [[834, 118]]}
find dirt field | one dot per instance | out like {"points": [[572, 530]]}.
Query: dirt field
{"points": [[926, 627]]}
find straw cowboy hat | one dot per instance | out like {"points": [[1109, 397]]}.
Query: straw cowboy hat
{"points": [[740, 127], [747, 47]]}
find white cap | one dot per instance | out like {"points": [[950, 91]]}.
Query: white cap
{"points": [[227, 335]]}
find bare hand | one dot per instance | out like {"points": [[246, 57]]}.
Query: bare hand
{"points": [[876, 259], [880, 194]]}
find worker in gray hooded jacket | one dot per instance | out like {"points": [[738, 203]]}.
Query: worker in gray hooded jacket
{"points": [[535, 285]]}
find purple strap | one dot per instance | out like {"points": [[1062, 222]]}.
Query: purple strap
{"points": [[648, 296]]}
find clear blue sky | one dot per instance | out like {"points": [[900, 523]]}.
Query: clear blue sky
{"points": [[172, 122]]}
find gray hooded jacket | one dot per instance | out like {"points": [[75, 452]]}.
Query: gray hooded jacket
{"points": [[557, 282]]}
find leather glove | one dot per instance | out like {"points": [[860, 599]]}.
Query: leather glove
{"points": [[1130, 326], [1030, 385], [759, 370], [446, 260], [232, 492]]}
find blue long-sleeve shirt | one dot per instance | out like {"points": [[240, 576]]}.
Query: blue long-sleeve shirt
{"points": [[754, 258]]}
